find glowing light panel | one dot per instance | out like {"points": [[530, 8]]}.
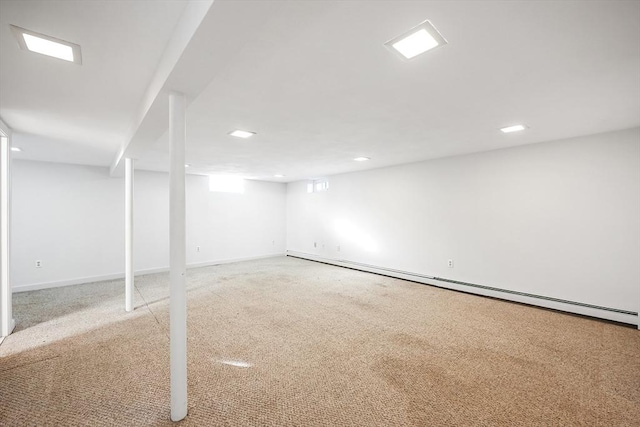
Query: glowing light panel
{"points": [[514, 128], [242, 133], [48, 47], [415, 44], [418, 40]]}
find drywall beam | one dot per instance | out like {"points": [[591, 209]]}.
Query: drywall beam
{"points": [[177, 256], [128, 233], [6, 313], [145, 124]]}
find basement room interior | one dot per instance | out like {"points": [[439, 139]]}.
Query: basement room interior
{"points": [[319, 213]]}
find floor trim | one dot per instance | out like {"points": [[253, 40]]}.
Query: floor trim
{"points": [[118, 276], [608, 313]]}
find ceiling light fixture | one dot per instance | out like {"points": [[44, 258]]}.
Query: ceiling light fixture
{"points": [[361, 159], [514, 128], [419, 39], [16, 149], [47, 45], [241, 133], [278, 176], [188, 165]]}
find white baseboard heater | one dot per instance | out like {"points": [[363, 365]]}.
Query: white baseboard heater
{"points": [[608, 313]]}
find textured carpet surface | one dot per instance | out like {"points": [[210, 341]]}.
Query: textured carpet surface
{"points": [[287, 342]]}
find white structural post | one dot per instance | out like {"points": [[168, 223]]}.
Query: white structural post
{"points": [[128, 232], [177, 261], [6, 317]]}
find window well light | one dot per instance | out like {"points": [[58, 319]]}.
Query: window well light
{"points": [[226, 184], [514, 128], [16, 149], [317, 185], [241, 133], [47, 45], [361, 159], [417, 40]]}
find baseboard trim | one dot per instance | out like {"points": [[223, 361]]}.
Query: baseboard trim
{"points": [[584, 309], [119, 276], [68, 282]]}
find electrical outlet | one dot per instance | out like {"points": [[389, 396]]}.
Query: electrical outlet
{"points": [[38, 264], [450, 263], [197, 248]]}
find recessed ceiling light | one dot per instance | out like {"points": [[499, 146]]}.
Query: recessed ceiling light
{"points": [[16, 149], [242, 133], [419, 39], [514, 128], [187, 165], [278, 176], [361, 159], [47, 45]]}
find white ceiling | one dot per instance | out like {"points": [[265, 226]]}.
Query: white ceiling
{"points": [[315, 82], [72, 113]]}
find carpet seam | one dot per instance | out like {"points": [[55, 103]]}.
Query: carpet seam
{"points": [[151, 311]]}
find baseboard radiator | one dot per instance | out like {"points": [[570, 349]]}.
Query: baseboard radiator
{"points": [[608, 313]]}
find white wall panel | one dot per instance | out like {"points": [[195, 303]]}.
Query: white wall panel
{"points": [[559, 219], [72, 219]]}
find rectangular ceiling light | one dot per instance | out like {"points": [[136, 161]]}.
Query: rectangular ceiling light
{"points": [[514, 128], [242, 133], [46, 45], [419, 39]]}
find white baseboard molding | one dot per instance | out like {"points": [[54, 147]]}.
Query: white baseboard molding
{"points": [[65, 282], [118, 276], [607, 313]]}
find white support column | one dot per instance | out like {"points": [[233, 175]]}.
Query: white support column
{"points": [[128, 232], [177, 257], [6, 316]]}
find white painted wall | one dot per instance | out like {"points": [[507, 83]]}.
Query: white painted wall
{"points": [[7, 323], [558, 219], [72, 219]]}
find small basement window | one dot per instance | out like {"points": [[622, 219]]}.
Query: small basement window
{"points": [[317, 186], [226, 184]]}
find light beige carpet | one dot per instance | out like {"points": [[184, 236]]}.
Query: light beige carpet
{"points": [[287, 342]]}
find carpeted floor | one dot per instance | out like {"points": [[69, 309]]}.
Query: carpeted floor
{"points": [[287, 342]]}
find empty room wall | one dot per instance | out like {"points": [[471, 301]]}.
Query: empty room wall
{"points": [[71, 218], [559, 219]]}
